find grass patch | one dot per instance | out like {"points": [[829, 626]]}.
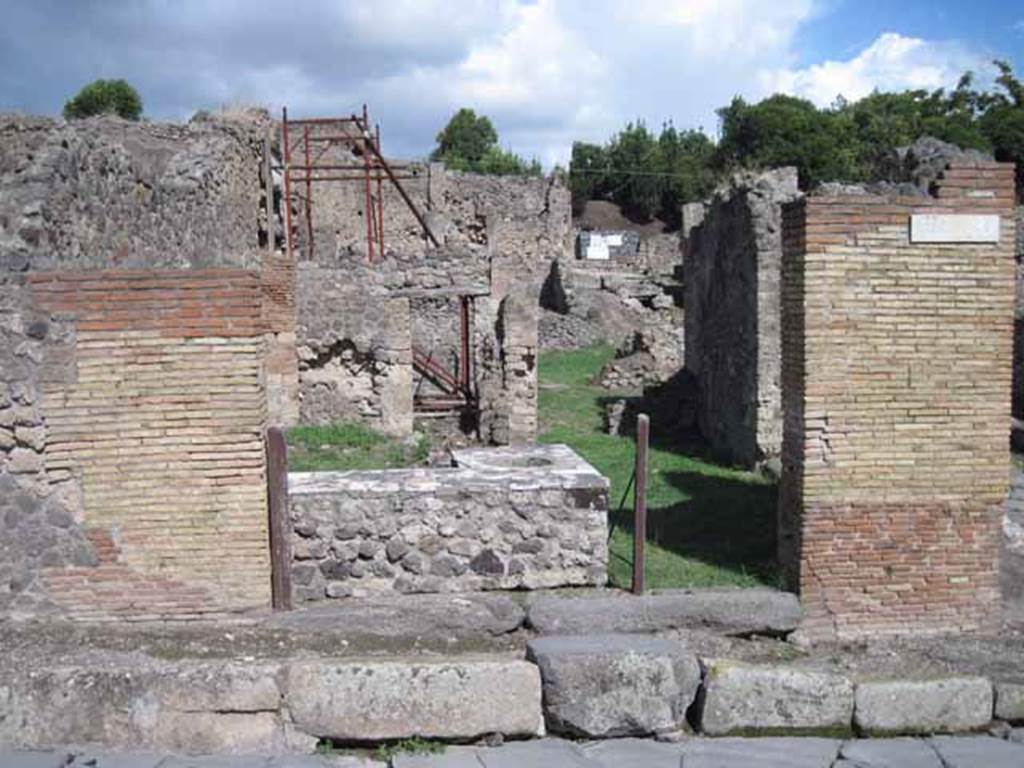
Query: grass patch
{"points": [[413, 746], [346, 445], [708, 525]]}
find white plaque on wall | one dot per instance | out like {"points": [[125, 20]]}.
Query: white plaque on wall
{"points": [[954, 228]]}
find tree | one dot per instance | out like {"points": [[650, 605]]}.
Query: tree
{"points": [[785, 130], [102, 97], [470, 143], [1002, 121]]}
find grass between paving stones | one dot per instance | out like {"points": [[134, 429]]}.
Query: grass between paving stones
{"points": [[708, 525], [344, 446]]}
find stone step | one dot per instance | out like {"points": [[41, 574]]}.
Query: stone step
{"points": [[602, 686], [734, 611]]}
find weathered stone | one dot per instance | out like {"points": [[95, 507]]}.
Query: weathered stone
{"points": [[1009, 701], [615, 685], [923, 706], [760, 753], [396, 548], [24, 461], [487, 562], [732, 610], [888, 753], [748, 698], [33, 437], [634, 753], [977, 752], [450, 698]]}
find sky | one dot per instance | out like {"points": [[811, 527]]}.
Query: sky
{"points": [[547, 72]]}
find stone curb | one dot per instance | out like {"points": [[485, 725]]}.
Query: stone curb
{"points": [[280, 707]]}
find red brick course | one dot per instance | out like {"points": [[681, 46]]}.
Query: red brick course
{"points": [[896, 397]]}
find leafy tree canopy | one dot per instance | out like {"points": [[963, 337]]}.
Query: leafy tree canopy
{"points": [[470, 143], [105, 97], [648, 175]]}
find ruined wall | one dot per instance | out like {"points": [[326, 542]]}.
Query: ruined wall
{"points": [[355, 352], [530, 216], [499, 520], [506, 337], [112, 193], [39, 519], [139, 319], [731, 264], [1018, 344], [896, 387], [1011, 560]]}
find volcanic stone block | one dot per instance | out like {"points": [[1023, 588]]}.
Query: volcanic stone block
{"points": [[1010, 701], [615, 685], [738, 611], [740, 697], [447, 698], [923, 706]]}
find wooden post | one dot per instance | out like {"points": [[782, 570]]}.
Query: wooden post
{"points": [[268, 184], [643, 426], [280, 523]]}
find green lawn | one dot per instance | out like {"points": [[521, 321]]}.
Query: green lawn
{"points": [[707, 524], [349, 446]]}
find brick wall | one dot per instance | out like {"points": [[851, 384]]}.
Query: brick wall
{"points": [[161, 426], [896, 393], [282, 361]]}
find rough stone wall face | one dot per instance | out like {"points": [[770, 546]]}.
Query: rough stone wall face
{"points": [[732, 262], [896, 388], [39, 519], [1011, 561], [106, 192], [355, 352], [449, 529], [1018, 336], [157, 424]]}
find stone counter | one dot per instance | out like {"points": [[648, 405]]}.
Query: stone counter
{"points": [[500, 518]]}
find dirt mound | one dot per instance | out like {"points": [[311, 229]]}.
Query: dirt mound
{"points": [[603, 214]]}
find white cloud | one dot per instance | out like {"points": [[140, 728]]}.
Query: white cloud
{"points": [[546, 71], [892, 62]]}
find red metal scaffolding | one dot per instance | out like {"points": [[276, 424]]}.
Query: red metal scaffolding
{"points": [[306, 147], [308, 159]]}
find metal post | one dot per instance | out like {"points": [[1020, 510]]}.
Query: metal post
{"points": [[380, 200], [464, 339], [268, 184], [309, 192], [279, 522], [643, 425], [287, 201], [369, 190]]}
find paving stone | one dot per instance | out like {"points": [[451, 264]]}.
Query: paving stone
{"points": [[732, 610], [888, 753], [453, 698], [635, 753], [778, 752], [978, 752], [1009, 701], [923, 706], [87, 759], [541, 753], [615, 685], [11, 759], [453, 757], [318, 761], [214, 761], [740, 697]]}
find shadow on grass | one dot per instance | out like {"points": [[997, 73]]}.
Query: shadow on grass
{"points": [[724, 522]]}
